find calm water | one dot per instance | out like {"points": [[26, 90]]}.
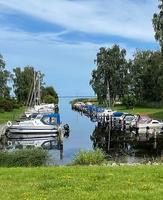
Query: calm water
{"points": [[86, 135], [80, 130], [121, 147]]}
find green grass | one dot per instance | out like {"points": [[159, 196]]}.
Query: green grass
{"points": [[24, 158], [77, 183], [10, 116], [94, 157], [156, 113]]}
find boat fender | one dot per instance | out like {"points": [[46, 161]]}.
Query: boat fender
{"points": [[9, 143], [9, 123]]}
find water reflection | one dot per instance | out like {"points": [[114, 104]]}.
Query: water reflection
{"points": [[84, 134], [125, 146]]}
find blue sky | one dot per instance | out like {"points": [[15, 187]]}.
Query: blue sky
{"points": [[61, 37]]}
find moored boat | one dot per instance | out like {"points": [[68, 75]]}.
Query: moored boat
{"points": [[45, 125]]}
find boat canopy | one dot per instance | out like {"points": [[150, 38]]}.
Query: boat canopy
{"points": [[118, 114], [51, 119]]}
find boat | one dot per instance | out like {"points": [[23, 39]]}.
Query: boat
{"points": [[44, 125], [45, 143], [42, 108], [145, 124]]}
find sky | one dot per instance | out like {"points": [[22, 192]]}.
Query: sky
{"points": [[62, 37]]}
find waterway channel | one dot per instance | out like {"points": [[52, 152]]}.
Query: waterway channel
{"points": [[85, 135], [80, 130], [119, 146]]}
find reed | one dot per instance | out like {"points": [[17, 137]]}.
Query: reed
{"points": [[92, 157]]}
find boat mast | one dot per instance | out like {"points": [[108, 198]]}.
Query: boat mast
{"points": [[39, 90], [34, 88]]}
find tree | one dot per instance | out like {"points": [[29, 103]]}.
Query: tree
{"points": [[158, 25], [111, 74], [4, 78], [146, 72], [24, 82], [49, 95]]}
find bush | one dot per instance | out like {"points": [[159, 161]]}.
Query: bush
{"points": [[150, 104], [129, 101], [2, 110], [95, 157], [25, 157], [50, 99], [9, 104], [6, 104]]}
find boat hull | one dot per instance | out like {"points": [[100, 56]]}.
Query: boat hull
{"points": [[27, 136]]}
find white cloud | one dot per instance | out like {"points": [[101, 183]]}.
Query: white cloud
{"points": [[126, 18], [66, 66]]}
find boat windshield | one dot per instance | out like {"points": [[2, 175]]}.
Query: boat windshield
{"points": [[49, 120]]}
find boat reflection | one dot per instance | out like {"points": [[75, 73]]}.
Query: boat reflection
{"points": [[44, 143], [125, 146]]}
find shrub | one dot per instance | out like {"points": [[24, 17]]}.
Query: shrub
{"points": [[50, 99], [26, 157], [95, 157], [6, 104], [129, 101], [2, 110]]}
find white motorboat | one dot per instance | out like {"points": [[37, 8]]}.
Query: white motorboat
{"points": [[145, 124], [42, 108], [46, 125]]}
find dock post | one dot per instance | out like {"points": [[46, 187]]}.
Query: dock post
{"points": [[147, 132], [60, 141], [109, 132], [155, 139]]}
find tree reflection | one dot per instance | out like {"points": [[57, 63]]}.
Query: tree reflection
{"points": [[122, 146]]}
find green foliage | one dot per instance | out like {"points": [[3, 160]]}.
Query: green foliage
{"points": [[142, 76], [10, 116], [155, 113], [49, 95], [146, 72], [8, 104], [26, 158], [111, 74], [24, 82], [50, 99], [84, 100], [129, 101], [4, 78], [158, 25], [95, 157]]}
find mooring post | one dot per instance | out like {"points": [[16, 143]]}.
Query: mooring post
{"points": [[155, 138], [147, 132], [60, 141], [109, 131]]}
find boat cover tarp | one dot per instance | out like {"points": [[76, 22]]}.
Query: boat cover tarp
{"points": [[55, 116]]}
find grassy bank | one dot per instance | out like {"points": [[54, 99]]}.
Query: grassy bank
{"points": [[125, 182], [10, 116], [24, 158], [156, 113], [84, 100]]}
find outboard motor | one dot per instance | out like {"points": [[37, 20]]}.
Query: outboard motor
{"points": [[67, 130]]}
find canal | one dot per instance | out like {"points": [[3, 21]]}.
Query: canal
{"points": [[80, 130], [85, 135]]}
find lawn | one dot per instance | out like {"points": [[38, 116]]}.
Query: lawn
{"points": [[75, 183], [10, 116], [156, 113]]}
